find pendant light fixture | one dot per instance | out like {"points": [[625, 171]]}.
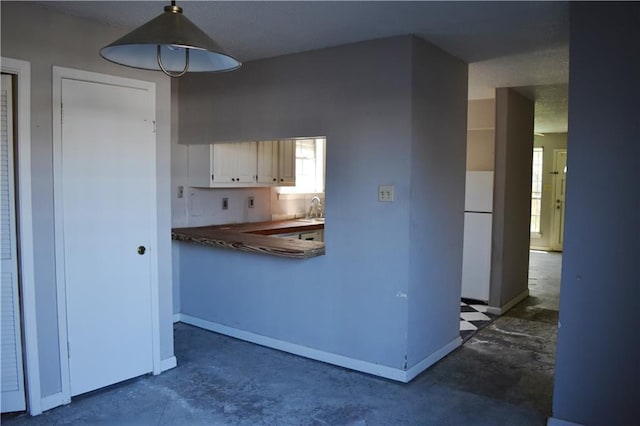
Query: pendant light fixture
{"points": [[170, 43]]}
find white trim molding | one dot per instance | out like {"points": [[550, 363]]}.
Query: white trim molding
{"points": [[168, 364], [318, 355], [552, 421], [60, 73], [22, 70], [499, 310], [55, 400], [432, 359]]}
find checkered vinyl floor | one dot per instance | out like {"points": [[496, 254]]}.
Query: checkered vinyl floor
{"points": [[473, 317]]}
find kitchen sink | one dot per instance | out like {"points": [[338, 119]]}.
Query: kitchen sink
{"points": [[311, 219]]}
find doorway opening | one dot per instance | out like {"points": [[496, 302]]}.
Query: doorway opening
{"points": [[548, 190]]}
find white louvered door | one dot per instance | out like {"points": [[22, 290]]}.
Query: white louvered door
{"points": [[13, 397]]}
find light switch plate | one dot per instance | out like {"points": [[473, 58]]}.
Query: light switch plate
{"points": [[385, 193]]}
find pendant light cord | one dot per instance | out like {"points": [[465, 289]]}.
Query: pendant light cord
{"points": [[168, 73]]}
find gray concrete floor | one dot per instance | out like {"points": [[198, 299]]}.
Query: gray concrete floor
{"points": [[501, 376]]}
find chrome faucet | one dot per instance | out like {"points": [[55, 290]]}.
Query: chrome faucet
{"points": [[315, 208]]}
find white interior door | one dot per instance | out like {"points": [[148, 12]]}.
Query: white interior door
{"points": [[13, 396], [559, 194], [107, 184]]}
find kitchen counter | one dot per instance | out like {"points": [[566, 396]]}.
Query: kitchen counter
{"points": [[257, 237]]}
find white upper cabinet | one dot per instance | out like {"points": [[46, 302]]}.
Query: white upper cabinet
{"points": [[267, 162], [222, 165], [234, 163], [242, 164], [287, 162], [199, 165]]}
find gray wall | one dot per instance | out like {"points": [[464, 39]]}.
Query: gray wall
{"points": [[549, 142], [44, 38], [511, 197], [481, 135], [597, 372], [353, 300], [438, 157]]}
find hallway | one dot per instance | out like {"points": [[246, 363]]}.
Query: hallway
{"points": [[503, 375], [513, 358]]}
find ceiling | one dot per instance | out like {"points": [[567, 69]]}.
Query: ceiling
{"points": [[507, 44]]}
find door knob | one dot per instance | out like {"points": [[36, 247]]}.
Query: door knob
{"points": [[141, 250]]}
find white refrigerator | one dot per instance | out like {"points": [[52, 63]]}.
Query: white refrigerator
{"points": [[476, 252]]}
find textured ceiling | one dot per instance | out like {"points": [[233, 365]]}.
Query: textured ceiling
{"points": [[508, 44]]}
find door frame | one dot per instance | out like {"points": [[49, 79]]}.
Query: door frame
{"points": [[60, 73], [26, 269]]}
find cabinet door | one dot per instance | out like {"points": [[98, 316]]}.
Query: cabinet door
{"points": [[312, 236], [199, 165], [234, 164], [268, 162], [223, 164], [246, 162], [287, 162]]}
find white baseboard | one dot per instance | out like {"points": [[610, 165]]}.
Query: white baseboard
{"points": [[510, 304], [552, 421], [432, 359], [168, 364], [52, 401], [176, 318], [57, 399], [318, 355]]}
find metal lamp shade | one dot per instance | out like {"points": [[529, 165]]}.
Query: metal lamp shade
{"points": [[174, 33]]}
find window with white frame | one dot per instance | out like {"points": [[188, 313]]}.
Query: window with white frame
{"points": [[536, 190], [310, 160]]}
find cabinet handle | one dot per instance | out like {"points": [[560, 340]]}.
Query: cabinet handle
{"points": [[281, 180], [275, 180]]}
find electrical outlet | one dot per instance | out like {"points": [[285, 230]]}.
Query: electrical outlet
{"points": [[180, 191], [385, 193], [251, 202], [225, 203]]}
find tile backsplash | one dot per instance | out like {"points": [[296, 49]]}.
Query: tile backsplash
{"points": [[204, 206]]}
